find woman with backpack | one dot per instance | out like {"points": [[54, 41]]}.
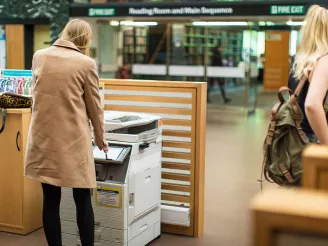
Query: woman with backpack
{"points": [[311, 62], [300, 119]]}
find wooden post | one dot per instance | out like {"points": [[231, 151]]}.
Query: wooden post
{"points": [[15, 55], [315, 167], [200, 160]]}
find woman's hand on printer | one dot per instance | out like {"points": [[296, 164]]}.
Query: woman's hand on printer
{"points": [[104, 147]]}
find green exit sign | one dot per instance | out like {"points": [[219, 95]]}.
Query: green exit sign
{"points": [[101, 12], [287, 10]]}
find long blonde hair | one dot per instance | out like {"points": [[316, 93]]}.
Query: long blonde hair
{"points": [[314, 41], [79, 33]]}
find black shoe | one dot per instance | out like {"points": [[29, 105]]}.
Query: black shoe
{"points": [[227, 100]]}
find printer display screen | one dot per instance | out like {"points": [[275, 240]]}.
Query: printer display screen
{"points": [[113, 153]]}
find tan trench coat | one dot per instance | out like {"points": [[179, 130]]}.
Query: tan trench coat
{"points": [[65, 96]]}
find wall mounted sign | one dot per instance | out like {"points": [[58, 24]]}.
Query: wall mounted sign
{"points": [[16, 73], [273, 37], [164, 9], [277, 65]]}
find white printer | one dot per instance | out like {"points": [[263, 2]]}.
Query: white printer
{"points": [[127, 200]]}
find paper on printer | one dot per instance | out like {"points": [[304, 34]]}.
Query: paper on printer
{"points": [[116, 120]]}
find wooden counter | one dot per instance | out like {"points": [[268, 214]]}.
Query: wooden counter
{"points": [[20, 198], [283, 217]]}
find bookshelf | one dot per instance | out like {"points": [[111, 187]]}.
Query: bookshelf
{"points": [[194, 45], [135, 47], [128, 46], [201, 40]]}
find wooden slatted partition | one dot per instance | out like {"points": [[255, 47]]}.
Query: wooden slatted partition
{"points": [[315, 167], [182, 106]]}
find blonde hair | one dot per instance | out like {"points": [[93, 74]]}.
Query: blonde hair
{"points": [[314, 41], [79, 33]]}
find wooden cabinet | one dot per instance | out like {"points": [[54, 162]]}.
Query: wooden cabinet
{"points": [[20, 198]]}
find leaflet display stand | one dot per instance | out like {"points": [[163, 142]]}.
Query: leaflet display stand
{"points": [[20, 198], [17, 81]]}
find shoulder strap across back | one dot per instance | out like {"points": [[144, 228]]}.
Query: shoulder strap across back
{"points": [[300, 85]]}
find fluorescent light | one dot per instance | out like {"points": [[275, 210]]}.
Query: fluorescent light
{"points": [[270, 23], [135, 23], [126, 23], [114, 23], [220, 23], [295, 23]]}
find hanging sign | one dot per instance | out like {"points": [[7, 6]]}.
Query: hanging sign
{"points": [[159, 11], [287, 10], [197, 8], [103, 12], [179, 11]]}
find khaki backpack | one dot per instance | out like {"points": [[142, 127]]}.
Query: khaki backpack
{"points": [[285, 140]]}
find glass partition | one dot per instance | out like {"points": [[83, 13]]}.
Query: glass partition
{"points": [[193, 52], [145, 50], [108, 40], [187, 52], [252, 53], [229, 56]]}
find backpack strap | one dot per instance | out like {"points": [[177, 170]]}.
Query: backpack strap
{"points": [[273, 124], [297, 117], [297, 114], [268, 142], [286, 174], [284, 89], [300, 85]]}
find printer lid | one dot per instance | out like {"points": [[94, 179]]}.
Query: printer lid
{"points": [[116, 120]]}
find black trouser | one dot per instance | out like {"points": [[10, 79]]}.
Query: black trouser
{"points": [[51, 217], [221, 84], [261, 75]]}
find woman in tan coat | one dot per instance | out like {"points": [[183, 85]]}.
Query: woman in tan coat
{"points": [[59, 149]]}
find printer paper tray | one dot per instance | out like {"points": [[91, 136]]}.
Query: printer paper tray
{"points": [[147, 137], [104, 161]]}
